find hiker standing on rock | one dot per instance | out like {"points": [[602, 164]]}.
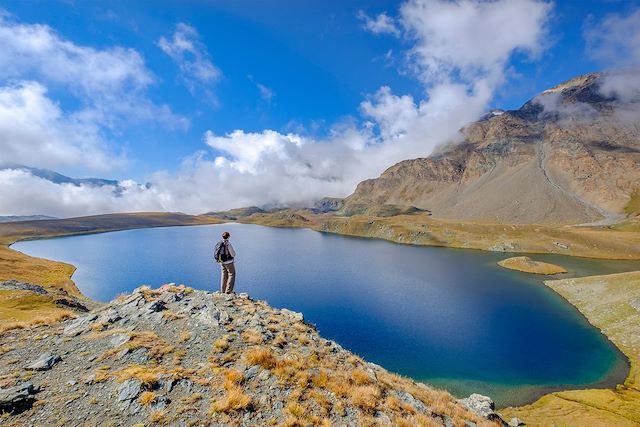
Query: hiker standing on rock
{"points": [[224, 255]]}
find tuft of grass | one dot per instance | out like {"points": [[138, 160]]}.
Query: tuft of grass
{"points": [[295, 409], [252, 336], [235, 400], [170, 315], [360, 377], [147, 398], [184, 336], [101, 374], [221, 344], [149, 376], [365, 397], [159, 417], [156, 346], [262, 356], [232, 378]]}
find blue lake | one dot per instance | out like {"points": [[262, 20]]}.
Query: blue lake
{"points": [[447, 317]]}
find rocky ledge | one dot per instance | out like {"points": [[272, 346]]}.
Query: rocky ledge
{"points": [[175, 356]]}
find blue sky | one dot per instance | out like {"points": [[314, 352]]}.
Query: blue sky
{"points": [[295, 67]]}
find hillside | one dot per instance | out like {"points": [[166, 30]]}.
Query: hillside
{"points": [[570, 155], [177, 356]]}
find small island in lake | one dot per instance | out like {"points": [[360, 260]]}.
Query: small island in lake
{"points": [[527, 265]]}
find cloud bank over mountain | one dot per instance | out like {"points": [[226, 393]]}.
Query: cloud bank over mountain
{"points": [[457, 52]]}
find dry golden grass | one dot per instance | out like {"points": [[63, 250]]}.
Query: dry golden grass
{"points": [[221, 344], [365, 397], [184, 336], [235, 400], [295, 409], [170, 315], [279, 341], [147, 398], [252, 336], [320, 379], [262, 356], [360, 377], [159, 417], [58, 315], [232, 378], [147, 375], [396, 405], [156, 346], [101, 374]]}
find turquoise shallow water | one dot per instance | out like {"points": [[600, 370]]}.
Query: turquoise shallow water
{"points": [[443, 316]]}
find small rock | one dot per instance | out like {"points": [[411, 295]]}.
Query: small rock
{"points": [[79, 325], [129, 390], [44, 362], [515, 422], [479, 404], [210, 317], [118, 339], [409, 399], [299, 317], [251, 372]]}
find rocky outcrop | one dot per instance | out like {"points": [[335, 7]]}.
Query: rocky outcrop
{"points": [[176, 356], [570, 155]]}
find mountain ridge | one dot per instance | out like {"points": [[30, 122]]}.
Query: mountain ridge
{"points": [[567, 156]]}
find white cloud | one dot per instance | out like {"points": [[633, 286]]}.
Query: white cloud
{"points": [[110, 82], [615, 41], [381, 24], [266, 93], [460, 53], [472, 39], [187, 50], [35, 131]]}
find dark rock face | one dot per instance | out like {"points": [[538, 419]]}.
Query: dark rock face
{"points": [[570, 155], [18, 398], [21, 286], [176, 356], [328, 204]]}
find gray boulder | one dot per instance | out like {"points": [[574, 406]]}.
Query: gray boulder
{"points": [[129, 390], [44, 362], [479, 404], [13, 398], [79, 325]]}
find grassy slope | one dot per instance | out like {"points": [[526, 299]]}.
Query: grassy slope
{"points": [[55, 276], [592, 242], [612, 304]]}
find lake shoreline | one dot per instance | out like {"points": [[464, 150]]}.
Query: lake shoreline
{"points": [[32, 233]]}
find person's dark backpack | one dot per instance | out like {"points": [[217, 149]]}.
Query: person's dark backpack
{"points": [[221, 252]]}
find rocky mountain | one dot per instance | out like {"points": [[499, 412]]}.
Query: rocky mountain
{"points": [[58, 178], [175, 356], [14, 218], [570, 155]]}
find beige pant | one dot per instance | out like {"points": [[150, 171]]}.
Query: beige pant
{"points": [[228, 278]]}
